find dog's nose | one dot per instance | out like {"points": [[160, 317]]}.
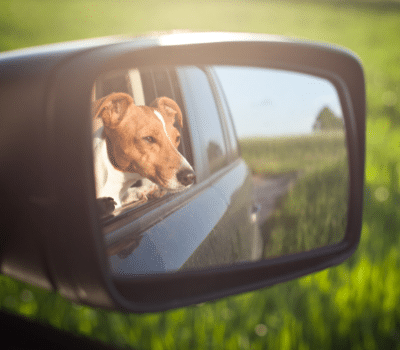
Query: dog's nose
{"points": [[186, 177]]}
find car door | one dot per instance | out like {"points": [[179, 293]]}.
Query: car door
{"points": [[236, 237]]}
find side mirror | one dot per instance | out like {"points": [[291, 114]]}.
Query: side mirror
{"points": [[127, 186]]}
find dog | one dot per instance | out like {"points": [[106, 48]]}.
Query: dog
{"points": [[136, 153]]}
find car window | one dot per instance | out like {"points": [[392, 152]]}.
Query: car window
{"points": [[205, 114], [144, 86]]}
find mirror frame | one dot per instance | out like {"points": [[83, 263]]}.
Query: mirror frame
{"points": [[74, 250]]}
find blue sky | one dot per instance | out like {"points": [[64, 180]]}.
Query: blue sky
{"points": [[266, 102]]}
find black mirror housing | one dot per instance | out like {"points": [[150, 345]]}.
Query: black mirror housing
{"points": [[50, 224]]}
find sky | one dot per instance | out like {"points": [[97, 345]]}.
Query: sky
{"points": [[267, 102]]}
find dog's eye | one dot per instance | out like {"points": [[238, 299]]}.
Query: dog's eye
{"points": [[149, 139]]}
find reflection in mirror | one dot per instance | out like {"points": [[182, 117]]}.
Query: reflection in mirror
{"points": [[292, 136], [171, 191]]}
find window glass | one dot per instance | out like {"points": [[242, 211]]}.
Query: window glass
{"points": [[207, 122], [234, 148]]}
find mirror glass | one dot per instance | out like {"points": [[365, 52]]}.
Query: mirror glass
{"points": [[292, 135], [199, 167]]}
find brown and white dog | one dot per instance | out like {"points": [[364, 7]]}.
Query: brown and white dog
{"points": [[133, 143]]}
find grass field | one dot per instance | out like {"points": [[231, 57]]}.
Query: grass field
{"points": [[288, 154], [313, 214], [352, 306], [314, 211]]}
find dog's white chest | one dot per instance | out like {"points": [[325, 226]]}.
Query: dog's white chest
{"points": [[109, 181]]}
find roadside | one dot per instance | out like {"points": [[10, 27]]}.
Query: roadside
{"points": [[269, 190]]}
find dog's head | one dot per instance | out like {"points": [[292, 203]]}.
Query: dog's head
{"points": [[144, 140]]}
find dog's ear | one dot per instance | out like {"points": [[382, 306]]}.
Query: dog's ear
{"points": [[112, 108], [168, 108]]}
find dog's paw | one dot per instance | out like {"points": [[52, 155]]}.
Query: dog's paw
{"points": [[156, 193], [106, 205]]}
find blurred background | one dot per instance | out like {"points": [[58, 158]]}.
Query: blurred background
{"points": [[352, 306]]}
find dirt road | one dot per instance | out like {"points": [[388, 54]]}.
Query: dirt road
{"points": [[268, 191]]}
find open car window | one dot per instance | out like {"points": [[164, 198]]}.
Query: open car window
{"points": [[144, 86]]}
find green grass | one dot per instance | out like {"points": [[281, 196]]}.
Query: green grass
{"points": [[314, 211], [288, 154], [313, 214], [352, 306]]}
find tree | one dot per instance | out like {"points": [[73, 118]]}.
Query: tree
{"points": [[327, 120]]}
